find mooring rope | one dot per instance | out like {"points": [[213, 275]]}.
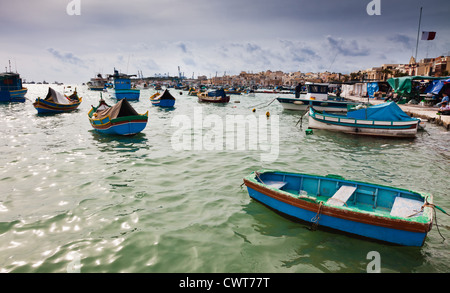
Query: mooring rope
{"points": [[434, 207], [316, 218]]}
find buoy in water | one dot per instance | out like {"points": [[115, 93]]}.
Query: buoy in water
{"points": [[254, 110], [308, 131], [267, 114]]}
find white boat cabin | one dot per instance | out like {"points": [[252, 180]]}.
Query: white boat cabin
{"points": [[316, 91]]}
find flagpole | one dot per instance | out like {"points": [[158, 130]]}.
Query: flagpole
{"points": [[418, 32]]}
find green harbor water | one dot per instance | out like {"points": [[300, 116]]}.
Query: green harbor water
{"points": [[73, 200]]}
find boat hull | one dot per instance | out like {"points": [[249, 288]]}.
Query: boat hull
{"points": [[405, 129], [130, 125], [13, 96], [208, 99], [47, 107], [303, 104], [163, 103], [129, 94], [391, 230]]}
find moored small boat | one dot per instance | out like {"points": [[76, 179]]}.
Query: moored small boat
{"points": [[165, 100], [97, 83], [11, 89], [56, 102], [316, 96], [386, 120], [217, 96], [121, 87], [374, 211], [120, 119]]}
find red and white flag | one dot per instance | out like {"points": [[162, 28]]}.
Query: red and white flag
{"points": [[428, 36]]}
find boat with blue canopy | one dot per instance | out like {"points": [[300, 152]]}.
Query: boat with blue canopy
{"points": [[121, 87], [11, 89], [166, 100], [316, 96], [384, 213], [386, 119]]}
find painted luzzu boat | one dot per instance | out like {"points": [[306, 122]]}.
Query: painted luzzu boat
{"points": [[217, 96], [166, 100], [56, 102], [384, 213], [120, 119], [385, 119]]}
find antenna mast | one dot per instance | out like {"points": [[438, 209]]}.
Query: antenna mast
{"points": [[418, 32]]}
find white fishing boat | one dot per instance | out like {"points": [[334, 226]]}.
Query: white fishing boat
{"points": [[316, 96], [385, 119]]}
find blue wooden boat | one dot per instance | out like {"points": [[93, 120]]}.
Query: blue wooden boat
{"points": [[386, 119], [11, 89], [56, 102], [121, 87], [120, 119], [384, 213], [317, 97], [166, 100]]}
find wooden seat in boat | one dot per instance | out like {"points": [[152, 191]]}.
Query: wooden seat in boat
{"points": [[342, 195], [276, 184], [405, 207]]}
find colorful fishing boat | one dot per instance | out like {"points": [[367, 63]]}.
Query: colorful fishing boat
{"points": [[56, 102], [386, 119], [316, 96], [11, 89], [120, 119], [374, 211], [166, 100], [216, 96], [121, 87]]}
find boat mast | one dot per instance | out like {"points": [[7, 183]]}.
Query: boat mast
{"points": [[418, 32]]}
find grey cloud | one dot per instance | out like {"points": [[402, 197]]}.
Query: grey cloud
{"points": [[66, 57], [346, 48], [403, 40]]}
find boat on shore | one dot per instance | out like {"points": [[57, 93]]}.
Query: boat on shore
{"points": [[166, 100], [56, 102], [11, 89], [386, 119], [121, 87], [120, 119], [384, 213], [316, 96], [216, 96]]}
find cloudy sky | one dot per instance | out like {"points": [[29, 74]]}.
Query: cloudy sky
{"points": [[44, 42]]}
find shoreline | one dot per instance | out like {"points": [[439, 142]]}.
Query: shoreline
{"points": [[417, 111]]}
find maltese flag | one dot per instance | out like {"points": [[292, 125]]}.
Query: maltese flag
{"points": [[428, 36]]}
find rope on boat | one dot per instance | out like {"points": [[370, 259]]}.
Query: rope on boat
{"points": [[316, 218], [264, 103], [301, 117], [434, 207]]}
